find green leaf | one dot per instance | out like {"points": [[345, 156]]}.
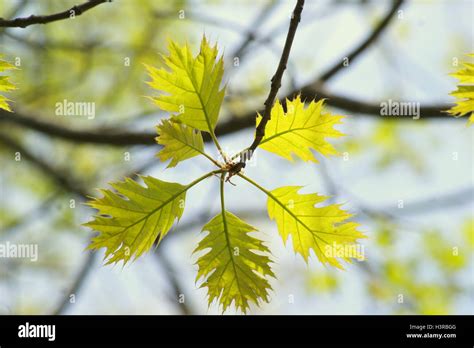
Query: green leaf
{"points": [[300, 130], [464, 94], [132, 218], [179, 141], [233, 271], [323, 229], [5, 84], [191, 85]]}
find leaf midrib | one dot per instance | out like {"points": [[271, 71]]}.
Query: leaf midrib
{"points": [[295, 130]]}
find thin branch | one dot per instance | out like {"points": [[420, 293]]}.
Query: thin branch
{"points": [[79, 281], [371, 38], [81, 136], [276, 79], [77, 10], [63, 181], [391, 212], [438, 202], [177, 289], [235, 124], [19, 7], [312, 90], [66, 183], [275, 86], [21, 222], [202, 18], [250, 35]]}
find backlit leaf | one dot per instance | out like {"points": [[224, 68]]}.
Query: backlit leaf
{"points": [[190, 85], [233, 272], [323, 229], [5, 84], [179, 141], [464, 94], [130, 219], [300, 130]]}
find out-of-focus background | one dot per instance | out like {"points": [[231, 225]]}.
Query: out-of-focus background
{"points": [[409, 181]]}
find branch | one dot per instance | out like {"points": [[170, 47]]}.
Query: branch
{"points": [[23, 22], [31, 216], [78, 283], [275, 86], [251, 34], [276, 79], [175, 285], [310, 91], [19, 7], [62, 180], [107, 137], [67, 184], [372, 37], [235, 124]]}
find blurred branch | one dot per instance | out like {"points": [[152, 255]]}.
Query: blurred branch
{"points": [[371, 38], [199, 17], [76, 286], [23, 22], [19, 6], [251, 34], [458, 197], [235, 124], [106, 136], [433, 111], [81, 47], [309, 91], [178, 291], [30, 216], [81, 136], [57, 174], [66, 183]]}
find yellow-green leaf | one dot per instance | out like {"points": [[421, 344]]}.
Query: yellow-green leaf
{"points": [[300, 130], [468, 233], [5, 84], [179, 141], [190, 85], [233, 272], [130, 219], [464, 94], [323, 229]]}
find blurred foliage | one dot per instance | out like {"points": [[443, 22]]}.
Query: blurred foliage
{"points": [[427, 281]]}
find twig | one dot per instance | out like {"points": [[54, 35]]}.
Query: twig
{"points": [[23, 22], [275, 86], [64, 181], [81, 136], [276, 79], [251, 34], [178, 291], [29, 217], [379, 29], [78, 283], [14, 11]]}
